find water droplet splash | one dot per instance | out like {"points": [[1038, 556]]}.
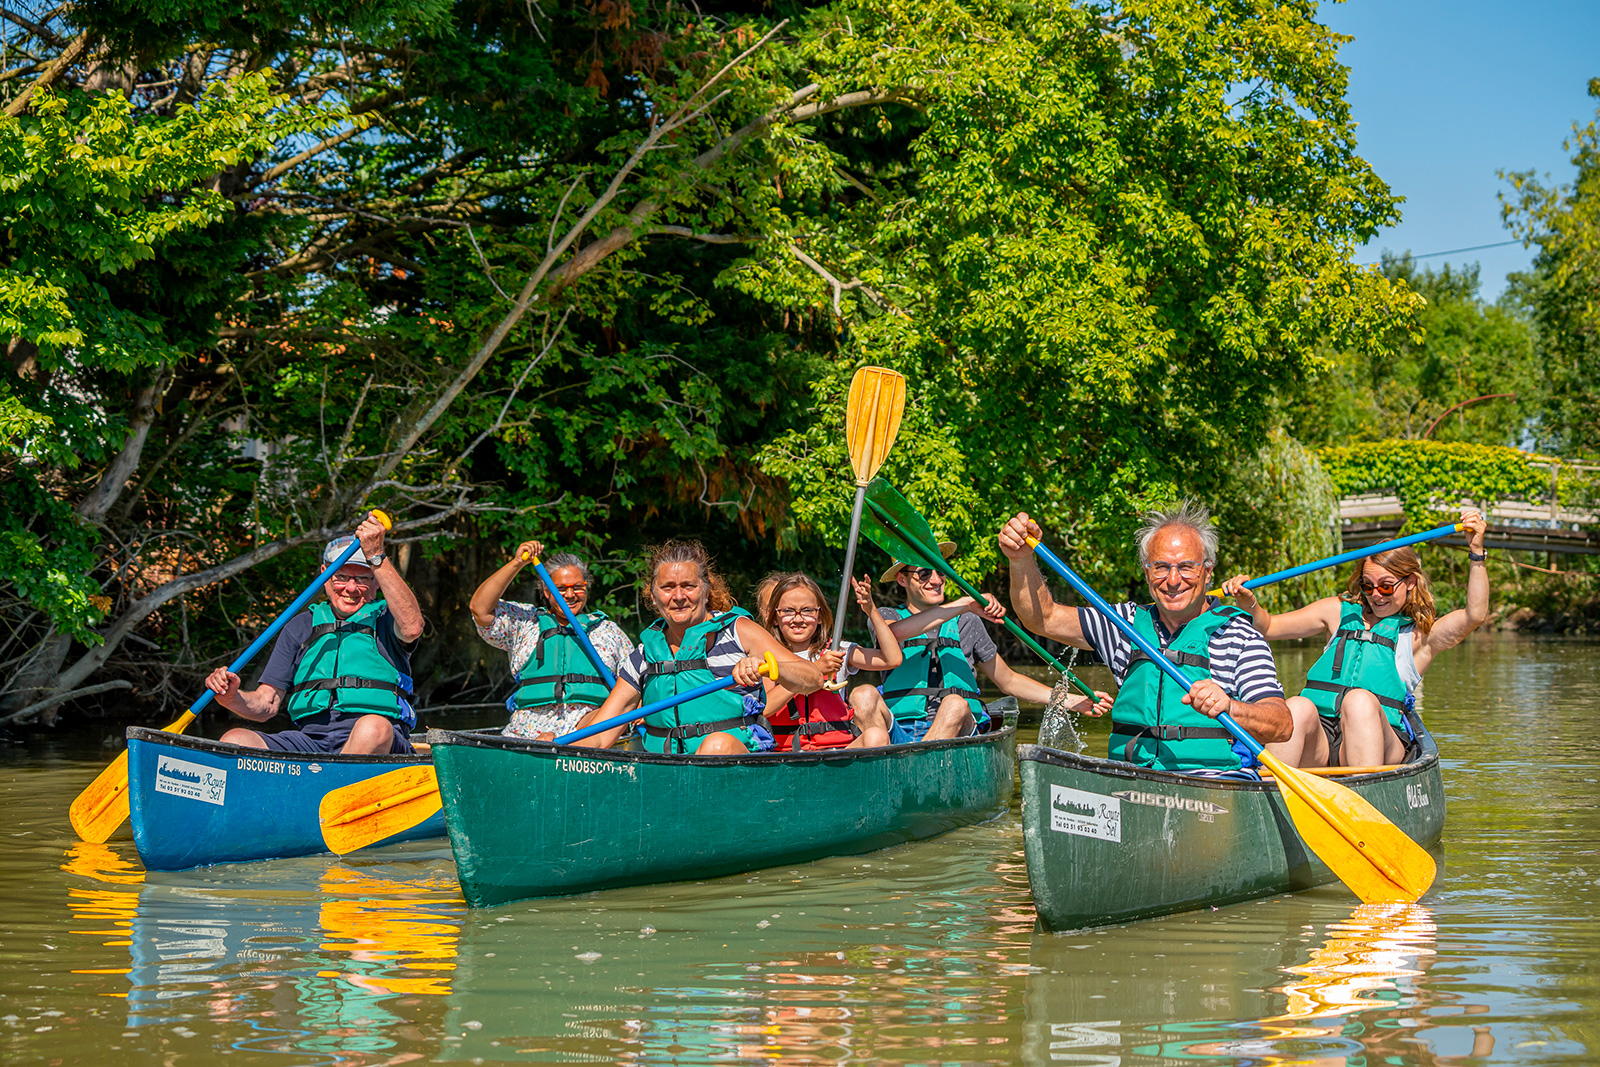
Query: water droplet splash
{"points": [[1058, 729]]}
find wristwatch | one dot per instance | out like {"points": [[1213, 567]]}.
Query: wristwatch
{"points": [[1477, 557], [377, 561]]}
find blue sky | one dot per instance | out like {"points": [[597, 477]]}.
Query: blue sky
{"points": [[1446, 94]]}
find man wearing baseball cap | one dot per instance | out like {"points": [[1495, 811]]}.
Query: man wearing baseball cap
{"points": [[341, 669], [934, 692]]}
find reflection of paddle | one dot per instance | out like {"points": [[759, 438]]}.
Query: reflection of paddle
{"points": [[103, 805], [871, 421], [901, 531], [1365, 850], [364, 813], [1346, 557], [572, 621]]}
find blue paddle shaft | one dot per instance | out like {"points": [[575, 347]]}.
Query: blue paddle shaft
{"points": [[277, 624], [1354, 554], [649, 709], [1155, 654], [577, 631]]}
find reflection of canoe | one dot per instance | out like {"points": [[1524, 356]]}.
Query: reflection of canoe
{"points": [[531, 819], [1107, 842], [194, 802]]}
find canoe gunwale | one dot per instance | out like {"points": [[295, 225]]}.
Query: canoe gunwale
{"points": [[220, 748], [1109, 768], [763, 759]]}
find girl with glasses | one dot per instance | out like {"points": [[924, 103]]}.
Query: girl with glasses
{"points": [[555, 684], [798, 615], [1382, 636]]}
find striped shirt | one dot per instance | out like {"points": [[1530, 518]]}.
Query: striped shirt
{"points": [[1241, 660], [724, 652]]}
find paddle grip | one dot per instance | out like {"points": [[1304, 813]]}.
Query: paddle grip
{"points": [[939, 564], [572, 621], [1347, 557], [1098, 603], [288, 613], [768, 668]]}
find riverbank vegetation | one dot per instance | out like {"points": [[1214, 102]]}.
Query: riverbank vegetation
{"points": [[602, 273]]}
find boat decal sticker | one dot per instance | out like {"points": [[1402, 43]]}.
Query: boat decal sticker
{"points": [[316, 768], [597, 766], [1072, 811], [268, 766], [1203, 808], [193, 781], [1416, 796]]}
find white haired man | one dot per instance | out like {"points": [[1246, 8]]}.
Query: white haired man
{"points": [[1153, 722]]}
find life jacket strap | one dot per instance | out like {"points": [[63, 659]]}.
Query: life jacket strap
{"points": [[324, 629], [695, 729], [1182, 659], [1340, 690], [348, 682], [1164, 733], [673, 666]]}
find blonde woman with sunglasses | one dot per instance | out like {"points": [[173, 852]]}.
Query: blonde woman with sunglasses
{"points": [[1382, 637]]}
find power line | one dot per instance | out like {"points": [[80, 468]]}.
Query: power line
{"points": [[1474, 248]]}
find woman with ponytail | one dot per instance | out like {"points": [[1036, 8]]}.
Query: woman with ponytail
{"points": [[1382, 636]]}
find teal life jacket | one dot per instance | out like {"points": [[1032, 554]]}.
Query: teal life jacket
{"points": [[1158, 729], [680, 729], [934, 666], [341, 668], [559, 671], [1359, 658]]}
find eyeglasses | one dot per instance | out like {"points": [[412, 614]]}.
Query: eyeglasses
{"points": [[798, 613], [1383, 586], [575, 587], [1187, 569], [919, 574], [349, 579]]}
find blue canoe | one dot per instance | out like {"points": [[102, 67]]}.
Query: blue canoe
{"points": [[195, 802]]}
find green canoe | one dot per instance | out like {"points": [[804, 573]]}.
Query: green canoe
{"points": [[1107, 842], [533, 819]]}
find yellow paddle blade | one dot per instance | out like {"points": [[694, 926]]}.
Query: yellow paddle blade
{"points": [[364, 813], [103, 804], [1369, 853], [872, 418]]}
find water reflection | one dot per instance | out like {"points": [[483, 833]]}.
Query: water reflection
{"points": [[319, 958]]}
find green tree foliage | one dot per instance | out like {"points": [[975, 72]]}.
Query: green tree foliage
{"points": [[1432, 477], [1459, 349], [601, 273], [1563, 219]]}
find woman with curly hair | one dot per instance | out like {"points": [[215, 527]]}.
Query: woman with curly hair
{"points": [[700, 637], [1382, 636]]}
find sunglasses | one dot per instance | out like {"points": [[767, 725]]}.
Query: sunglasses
{"points": [[1383, 586], [919, 574]]}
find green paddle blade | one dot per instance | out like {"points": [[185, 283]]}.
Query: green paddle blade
{"points": [[886, 500], [891, 541]]}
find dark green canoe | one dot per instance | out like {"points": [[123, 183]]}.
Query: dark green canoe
{"points": [[533, 819], [1107, 842]]}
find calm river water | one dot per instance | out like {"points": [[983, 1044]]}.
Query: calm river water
{"points": [[919, 954]]}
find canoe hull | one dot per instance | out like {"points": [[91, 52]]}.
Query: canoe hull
{"points": [[1107, 842], [195, 802], [529, 819]]}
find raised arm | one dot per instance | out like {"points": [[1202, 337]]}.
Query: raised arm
{"points": [[1030, 599], [487, 596], [1453, 628], [918, 623], [1313, 620], [887, 655], [402, 602]]}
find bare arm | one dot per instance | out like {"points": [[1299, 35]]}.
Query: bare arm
{"points": [[1267, 720], [887, 655], [1313, 620], [794, 674], [623, 698], [487, 596], [1030, 599], [257, 705], [1014, 683], [1455, 626], [402, 602]]}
